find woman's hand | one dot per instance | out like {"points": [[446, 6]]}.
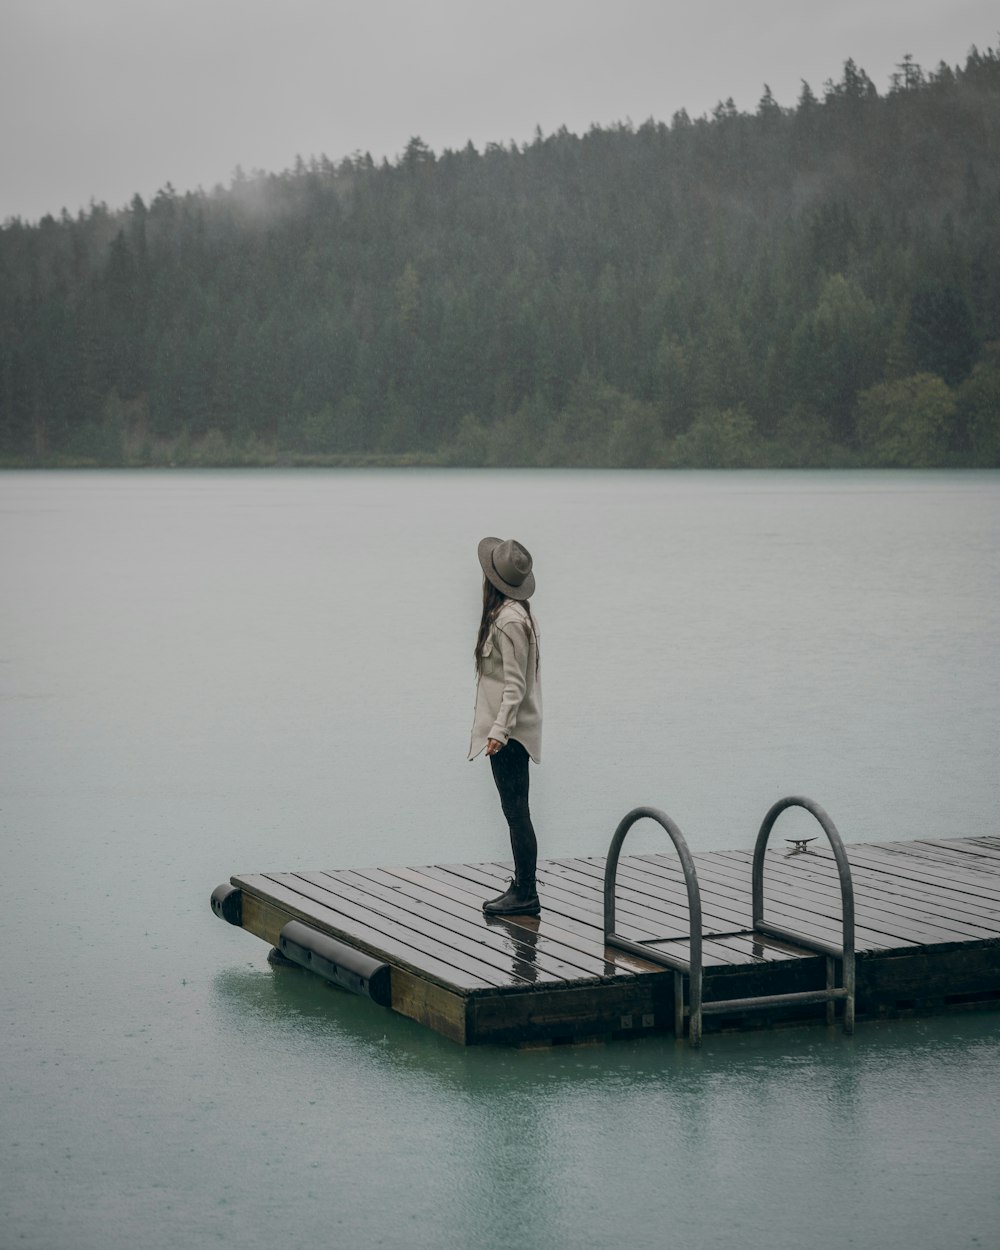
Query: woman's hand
{"points": [[492, 746]]}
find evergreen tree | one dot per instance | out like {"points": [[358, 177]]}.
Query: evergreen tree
{"points": [[941, 332], [738, 288]]}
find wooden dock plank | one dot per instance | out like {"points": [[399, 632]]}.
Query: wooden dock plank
{"points": [[923, 896], [577, 1013], [630, 909], [984, 854], [547, 954], [717, 885], [568, 934], [572, 905], [555, 898], [351, 925], [894, 873], [877, 913], [803, 903], [633, 921], [984, 843], [928, 930], [791, 912], [719, 947], [413, 994], [452, 948], [636, 911], [722, 906], [905, 878], [646, 885], [943, 865], [930, 898], [541, 960], [875, 896], [665, 904], [720, 909], [493, 948], [915, 867]]}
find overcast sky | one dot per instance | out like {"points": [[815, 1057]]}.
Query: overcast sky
{"points": [[103, 98]]}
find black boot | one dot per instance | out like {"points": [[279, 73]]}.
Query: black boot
{"points": [[518, 900]]}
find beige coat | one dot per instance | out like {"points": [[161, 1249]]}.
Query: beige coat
{"points": [[508, 689]]}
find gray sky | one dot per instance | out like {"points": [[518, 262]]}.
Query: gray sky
{"points": [[103, 98]]}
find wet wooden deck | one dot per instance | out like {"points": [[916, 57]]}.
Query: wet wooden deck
{"points": [[927, 936]]}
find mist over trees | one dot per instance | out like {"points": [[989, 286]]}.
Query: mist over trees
{"points": [[807, 285]]}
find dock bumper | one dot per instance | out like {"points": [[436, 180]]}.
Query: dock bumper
{"points": [[227, 903], [336, 961]]}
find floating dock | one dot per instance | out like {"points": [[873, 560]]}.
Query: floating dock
{"points": [[926, 938]]}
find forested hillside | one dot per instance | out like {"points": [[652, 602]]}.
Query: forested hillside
{"points": [[811, 285]]}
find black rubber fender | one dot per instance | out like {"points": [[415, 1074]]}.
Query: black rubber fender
{"points": [[336, 962], [227, 903]]}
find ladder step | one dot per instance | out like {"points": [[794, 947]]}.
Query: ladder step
{"points": [[651, 953], [800, 940], [773, 1000]]}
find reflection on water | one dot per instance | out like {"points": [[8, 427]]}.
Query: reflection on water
{"points": [[203, 674], [776, 1127], [523, 934], [302, 1007]]}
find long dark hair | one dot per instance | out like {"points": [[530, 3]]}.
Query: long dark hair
{"points": [[493, 601]]}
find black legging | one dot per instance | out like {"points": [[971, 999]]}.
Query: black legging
{"points": [[510, 772]]}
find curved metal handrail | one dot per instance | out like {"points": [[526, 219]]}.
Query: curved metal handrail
{"points": [[693, 965], [846, 952]]}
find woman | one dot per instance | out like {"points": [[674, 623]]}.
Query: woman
{"points": [[508, 719]]}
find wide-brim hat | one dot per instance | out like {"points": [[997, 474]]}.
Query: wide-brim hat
{"points": [[508, 566]]}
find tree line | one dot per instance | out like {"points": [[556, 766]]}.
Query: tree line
{"points": [[793, 286]]}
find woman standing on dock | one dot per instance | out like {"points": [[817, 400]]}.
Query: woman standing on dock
{"points": [[508, 718]]}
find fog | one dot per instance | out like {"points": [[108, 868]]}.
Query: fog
{"points": [[114, 97]]}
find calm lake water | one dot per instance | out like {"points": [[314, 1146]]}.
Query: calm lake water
{"points": [[206, 673]]}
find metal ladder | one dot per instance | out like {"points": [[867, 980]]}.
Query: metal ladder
{"points": [[691, 967]]}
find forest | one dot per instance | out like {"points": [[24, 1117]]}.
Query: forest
{"points": [[813, 285]]}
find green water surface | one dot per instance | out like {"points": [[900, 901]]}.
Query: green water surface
{"points": [[203, 674]]}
